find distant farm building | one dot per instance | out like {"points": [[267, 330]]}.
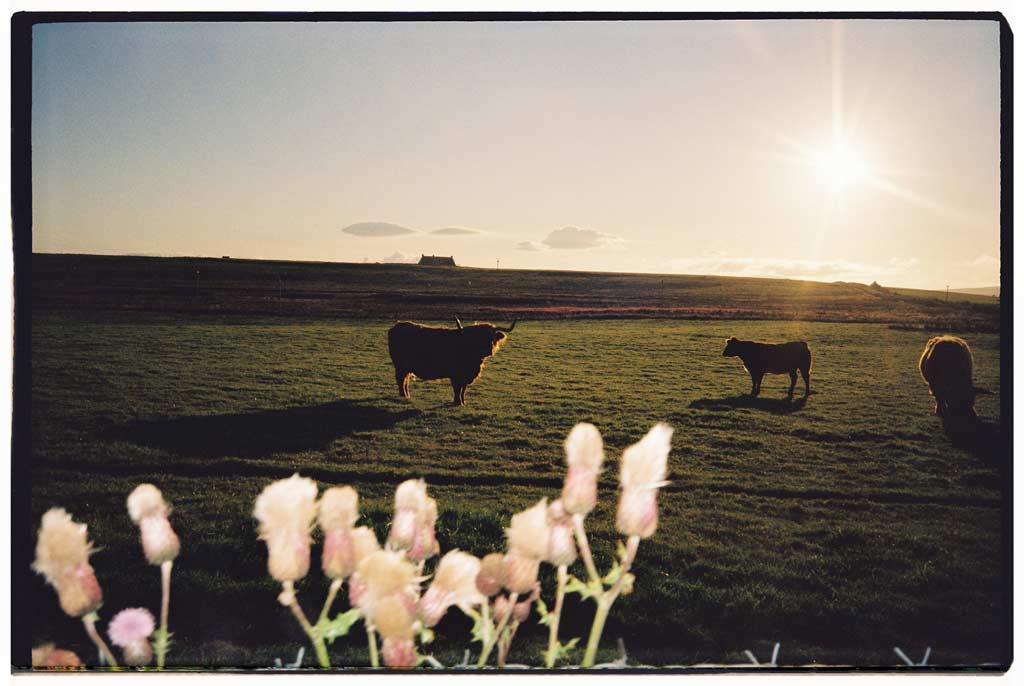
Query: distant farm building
{"points": [[436, 261]]}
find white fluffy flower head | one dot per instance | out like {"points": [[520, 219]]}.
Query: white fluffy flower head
{"points": [[528, 533], [147, 501], [62, 546], [339, 508], [285, 506], [645, 463], [584, 448]]}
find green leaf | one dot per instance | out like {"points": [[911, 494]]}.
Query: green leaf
{"points": [[426, 636], [591, 589], [613, 575], [339, 626], [542, 610], [620, 550], [478, 625], [562, 651], [588, 590]]}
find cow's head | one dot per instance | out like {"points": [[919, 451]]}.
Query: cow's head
{"points": [[960, 404], [732, 347], [484, 339]]}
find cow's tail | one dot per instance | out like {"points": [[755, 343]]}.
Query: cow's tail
{"points": [[807, 356]]}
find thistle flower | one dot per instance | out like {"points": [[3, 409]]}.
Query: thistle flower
{"points": [[394, 617], [520, 571], [337, 514], [62, 556], [383, 574], [521, 610], [426, 545], [529, 531], [50, 657], [399, 653], [500, 608], [147, 501], [643, 470], [410, 504], [285, 510], [130, 629], [339, 508], [147, 508], [584, 453], [364, 542], [491, 578], [454, 584], [561, 544], [527, 545]]}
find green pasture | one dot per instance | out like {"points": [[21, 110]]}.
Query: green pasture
{"points": [[841, 525]]}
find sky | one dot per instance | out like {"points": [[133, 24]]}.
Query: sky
{"points": [[829, 150]]}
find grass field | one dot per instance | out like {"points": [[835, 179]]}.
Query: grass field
{"points": [[840, 526]]}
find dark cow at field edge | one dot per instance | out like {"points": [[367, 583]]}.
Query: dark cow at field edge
{"points": [[435, 352], [947, 366], [772, 358]]}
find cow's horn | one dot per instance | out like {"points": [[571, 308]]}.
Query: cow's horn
{"points": [[509, 329], [459, 323]]}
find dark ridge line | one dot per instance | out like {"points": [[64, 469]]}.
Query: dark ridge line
{"points": [[243, 469]]}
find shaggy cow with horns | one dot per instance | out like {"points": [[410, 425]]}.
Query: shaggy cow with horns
{"points": [[434, 352]]}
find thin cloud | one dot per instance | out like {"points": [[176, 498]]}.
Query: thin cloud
{"points": [[455, 231], [376, 230], [572, 238], [529, 246]]}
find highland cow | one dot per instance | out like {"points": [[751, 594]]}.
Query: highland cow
{"points": [[782, 358], [947, 367], [433, 352]]}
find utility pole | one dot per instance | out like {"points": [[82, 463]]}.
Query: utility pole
{"points": [[498, 264], [947, 293]]}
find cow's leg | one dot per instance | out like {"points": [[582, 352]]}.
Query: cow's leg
{"points": [[462, 394], [456, 392], [403, 383], [756, 377], [806, 373], [792, 382]]}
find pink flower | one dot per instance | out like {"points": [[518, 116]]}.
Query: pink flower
{"points": [[131, 625], [399, 653], [130, 629]]}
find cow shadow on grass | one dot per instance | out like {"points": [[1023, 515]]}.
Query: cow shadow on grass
{"points": [[261, 433], [981, 439], [785, 405]]}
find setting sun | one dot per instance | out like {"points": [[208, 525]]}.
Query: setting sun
{"points": [[842, 163]]}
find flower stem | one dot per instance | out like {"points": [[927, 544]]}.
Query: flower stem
{"points": [[584, 546], [604, 603], [556, 615], [505, 643], [335, 587], [89, 621], [165, 606], [288, 598], [489, 645], [371, 637]]}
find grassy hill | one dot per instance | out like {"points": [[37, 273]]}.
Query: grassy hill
{"points": [[393, 291]]}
